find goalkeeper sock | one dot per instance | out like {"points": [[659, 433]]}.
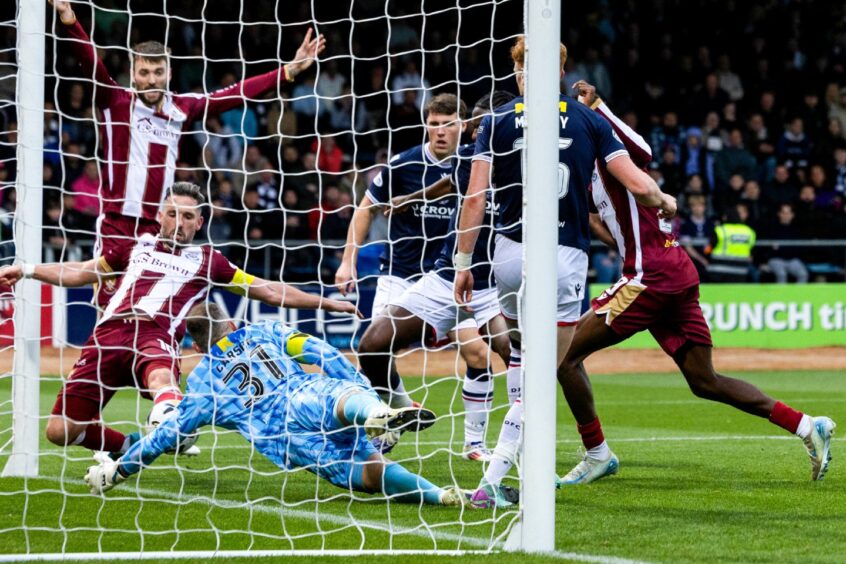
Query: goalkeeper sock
{"points": [[98, 437], [505, 453], [514, 376], [359, 406], [410, 488], [791, 420], [167, 393], [477, 394]]}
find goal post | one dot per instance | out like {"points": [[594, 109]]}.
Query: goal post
{"points": [[27, 231], [543, 33]]}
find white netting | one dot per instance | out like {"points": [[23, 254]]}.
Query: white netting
{"points": [[283, 171]]}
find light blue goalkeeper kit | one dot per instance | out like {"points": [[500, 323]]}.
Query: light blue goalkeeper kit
{"points": [[253, 381]]}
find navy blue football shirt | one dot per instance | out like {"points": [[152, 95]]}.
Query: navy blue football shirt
{"points": [[416, 237], [484, 249], [584, 137]]}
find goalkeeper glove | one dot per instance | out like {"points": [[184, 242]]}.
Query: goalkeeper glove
{"points": [[103, 477]]}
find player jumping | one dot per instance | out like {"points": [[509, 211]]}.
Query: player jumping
{"points": [[252, 381], [659, 292], [136, 341], [141, 128]]}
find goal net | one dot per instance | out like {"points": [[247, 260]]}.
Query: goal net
{"points": [[282, 168]]}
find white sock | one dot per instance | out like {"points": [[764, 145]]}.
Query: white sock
{"points": [[399, 398], [514, 376], [477, 394], [505, 453], [601, 452], [805, 427]]}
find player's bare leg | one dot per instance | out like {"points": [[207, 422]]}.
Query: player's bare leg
{"points": [[496, 332], [695, 362], [592, 335], [390, 332]]}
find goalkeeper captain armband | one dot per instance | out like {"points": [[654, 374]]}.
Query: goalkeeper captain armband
{"points": [[462, 261]]}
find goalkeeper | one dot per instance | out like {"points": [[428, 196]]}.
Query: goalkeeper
{"points": [[252, 381]]}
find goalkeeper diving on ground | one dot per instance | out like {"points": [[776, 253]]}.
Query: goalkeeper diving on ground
{"points": [[252, 381]]}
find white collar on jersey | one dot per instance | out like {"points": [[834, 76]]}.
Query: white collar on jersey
{"points": [[430, 155]]}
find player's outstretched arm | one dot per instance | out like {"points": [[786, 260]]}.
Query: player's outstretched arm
{"points": [[85, 53], [279, 294], [307, 349], [68, 274], [106, 475], [253, 87], [362, 218], [438, 189]]}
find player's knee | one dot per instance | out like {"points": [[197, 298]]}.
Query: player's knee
{"points": [[703, 386], [475, 354], [375, 339], [371, 477], [501, 344], [60, 432]]}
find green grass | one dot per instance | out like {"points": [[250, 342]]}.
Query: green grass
{"points": [[698, 482]]}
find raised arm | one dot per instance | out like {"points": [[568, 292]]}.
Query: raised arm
{"points": [[84, 51], [362, 218], [471, 219], [251, 88], [67, 274]]}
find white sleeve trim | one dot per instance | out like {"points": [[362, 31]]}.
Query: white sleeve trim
{"points": [[373, 198], [615, 154], [483, 157]]}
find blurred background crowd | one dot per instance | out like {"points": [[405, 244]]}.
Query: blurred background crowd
{"points": [[744, 108]]}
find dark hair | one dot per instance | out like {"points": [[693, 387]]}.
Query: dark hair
{"points": [[152, 51], [446, 104], [186, 189], [494, 100], [207, 324]]}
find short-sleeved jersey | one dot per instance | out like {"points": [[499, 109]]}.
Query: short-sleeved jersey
{"points": [[163, 283], [245, 384], [649, 248], [484, 250], [416, 237], [583, 138]]}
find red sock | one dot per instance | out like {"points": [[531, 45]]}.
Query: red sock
{"points": [[786, 417], [591, 434], [97, 437]]}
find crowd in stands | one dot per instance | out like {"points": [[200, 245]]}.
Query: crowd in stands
{"points": [[744, 108]]}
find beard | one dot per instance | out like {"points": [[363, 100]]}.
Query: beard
{"points": [[151, 97]]}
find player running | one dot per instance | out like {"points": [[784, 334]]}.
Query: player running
{"points": [[141, 128], [584, 138], [252, 381], [415, 238], [135, 342], [659, 292], [428, 306]]}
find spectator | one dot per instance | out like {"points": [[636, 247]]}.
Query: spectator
{"points": [[734, 159], [267, 188], [727, 80], [667, 135], [837, 108], [330, 157], [671, 172], [781, 190], [86, 189], [730, 259], [813, 115], [409, 81], [74, 163], [761, 142], [222, 150], [594, 71], [330, 85], [710, 98], [840, 171], [751, 198], [296, 225], [304, 102], [785, 260], [693, 154], [794, 148], [254, 163], [697, 225]]}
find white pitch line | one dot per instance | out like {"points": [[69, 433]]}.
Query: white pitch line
{"points": [[335, 519]]}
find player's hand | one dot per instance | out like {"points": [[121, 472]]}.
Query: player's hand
{"points": [[668, 207], [9, 275], [345, 278], [306, 54], [63, 8], [399, 204], [463, 288], [103, 477], [340, 306], [586, 92]]}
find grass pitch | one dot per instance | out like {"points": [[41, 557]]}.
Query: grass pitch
{"points": [[698, 482]]}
